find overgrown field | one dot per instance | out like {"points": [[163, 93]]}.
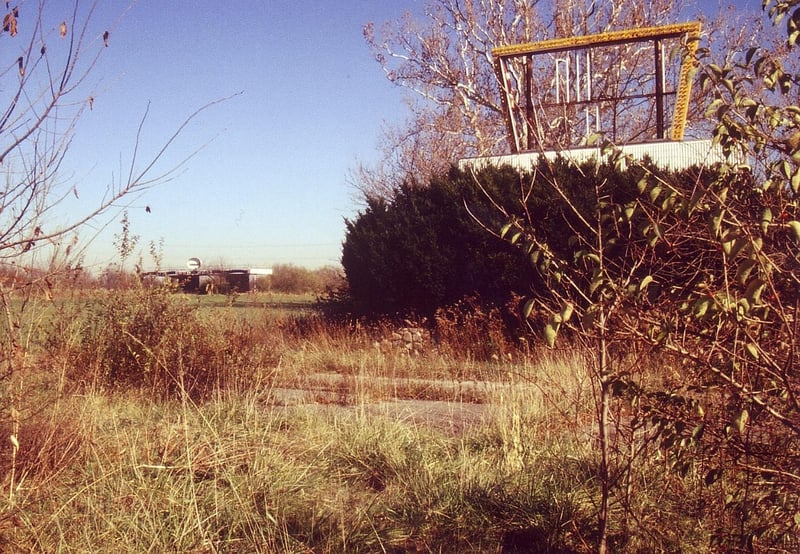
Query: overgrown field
{"points": [[152, 422]]}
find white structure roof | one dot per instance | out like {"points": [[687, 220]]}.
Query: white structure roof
{"points": [[671, 155]]}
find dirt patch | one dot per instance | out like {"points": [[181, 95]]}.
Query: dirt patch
{"points": [[449, 417], [353, 389], [448, 406]]}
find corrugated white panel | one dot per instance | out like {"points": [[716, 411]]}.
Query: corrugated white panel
{"points": [[667, 155]]}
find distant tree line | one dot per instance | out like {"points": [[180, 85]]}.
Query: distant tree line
{"points": [[292, 279]]}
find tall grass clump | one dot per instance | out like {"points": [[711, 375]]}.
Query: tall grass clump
{"points": [[469, 329], [154, 340]]}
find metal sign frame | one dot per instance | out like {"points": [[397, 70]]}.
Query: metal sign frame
{"points": [[689, 32]]}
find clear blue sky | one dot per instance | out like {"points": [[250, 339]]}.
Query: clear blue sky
{"points": [[271, 184]]}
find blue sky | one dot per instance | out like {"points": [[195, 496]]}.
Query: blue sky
{"points": [[271, 183]]}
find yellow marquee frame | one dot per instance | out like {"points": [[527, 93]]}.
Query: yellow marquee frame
{"points": [[690, 32]]}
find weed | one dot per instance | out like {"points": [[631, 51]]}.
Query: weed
{"points": [[469, 329]]}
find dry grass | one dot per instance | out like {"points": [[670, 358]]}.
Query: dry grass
{"points": [[236, 474], [308, 439]]}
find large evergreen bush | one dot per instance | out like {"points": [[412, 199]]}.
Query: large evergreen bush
{"points": [[426, 249], [429, 248]]}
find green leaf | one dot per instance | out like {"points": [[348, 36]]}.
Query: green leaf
{"points": [[697, 196], [785, 82], [793, 28], [741, 420], [753, 291], [749, 55], [737, 246], [786, 169], [644, 282], [566, 311], [656, 235], [716, 221], [550, 333], [596, 283], [669, 203], [796, 181], [528, 308], [752, 349], [743, 306], [795, 227], [766, 219], [701, 307], [745, 268], [730, 85], [592, 257]]}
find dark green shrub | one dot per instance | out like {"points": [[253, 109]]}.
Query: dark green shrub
{"points": [[428, 248], [425, 250]]}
